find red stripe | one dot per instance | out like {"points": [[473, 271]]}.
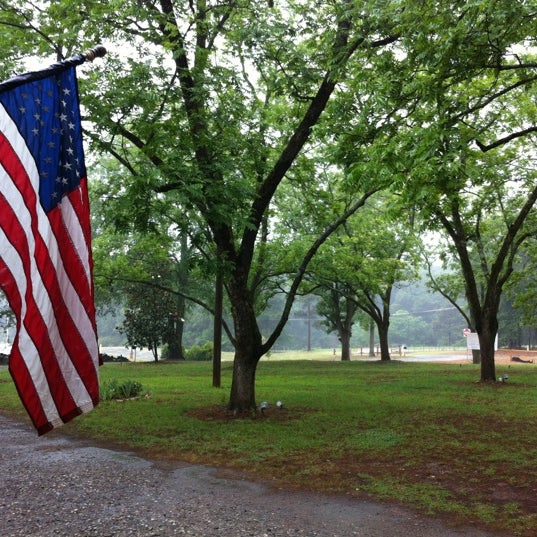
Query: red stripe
{"points": [[81, 205], [53, 285], [73, 265], [80, 201], [27, 392], [17, 367]]}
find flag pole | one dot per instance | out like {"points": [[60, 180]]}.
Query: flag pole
{"points": [[96, 52]]}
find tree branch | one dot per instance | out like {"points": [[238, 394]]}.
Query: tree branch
{"points": [[510, 67], [482, 104], [160, 287], [304, 265], [506, 139], [445, 294], [341, 53], [510, 239]]}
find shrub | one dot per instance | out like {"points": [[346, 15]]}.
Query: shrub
{"points": [[200, 353], [124, 390], [112, 358], [165, 352]]}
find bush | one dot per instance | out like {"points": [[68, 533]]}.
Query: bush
{"points": [[110, 358], [165, 352], [116, 390], [200, 353]]}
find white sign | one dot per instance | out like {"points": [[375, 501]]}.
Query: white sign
{"points": [[472, 342]]}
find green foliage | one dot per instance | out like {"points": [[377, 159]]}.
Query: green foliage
{"points": [[165, 353], [147, 317], [115, 389], [360, 265], [200, 353]]}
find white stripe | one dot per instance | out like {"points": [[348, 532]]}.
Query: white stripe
{"points": [[78, 313], [72, 223], [71, 298], [35, 369]]}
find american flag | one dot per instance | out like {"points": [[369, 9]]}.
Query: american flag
{"points": [[45, 246]]}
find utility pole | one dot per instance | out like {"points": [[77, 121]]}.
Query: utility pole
{"points": [[217, 330]]}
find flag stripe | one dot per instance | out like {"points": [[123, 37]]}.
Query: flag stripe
{"points": [[79, 205], [68, 228], [32, 379]]}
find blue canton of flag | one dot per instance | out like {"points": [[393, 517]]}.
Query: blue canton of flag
{"points": [[52, 118]]}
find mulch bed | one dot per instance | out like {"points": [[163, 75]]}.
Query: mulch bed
{"points": [[222, 413]]}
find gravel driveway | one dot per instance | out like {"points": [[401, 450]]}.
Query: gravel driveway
{"points": [[55, 486]]}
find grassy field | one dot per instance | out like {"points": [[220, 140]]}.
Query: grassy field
{"points": [[426, 435]]}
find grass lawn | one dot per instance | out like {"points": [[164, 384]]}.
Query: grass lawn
{"points": [[426, 435]]}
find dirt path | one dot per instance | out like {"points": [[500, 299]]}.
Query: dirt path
{"points": [[56, 486]]}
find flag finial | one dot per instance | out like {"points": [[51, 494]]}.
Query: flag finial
{"points": [[96, 52]]}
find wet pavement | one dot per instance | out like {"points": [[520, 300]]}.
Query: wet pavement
{"points": [[56, 485]]}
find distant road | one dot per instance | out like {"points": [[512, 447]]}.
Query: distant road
{"points": [[434, 357], [144, 355], [137, 355]]}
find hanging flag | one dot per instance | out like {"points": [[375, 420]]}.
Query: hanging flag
{"points": [[45, 245]]}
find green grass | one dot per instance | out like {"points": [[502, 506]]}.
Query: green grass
{"points": [[426, 435]]}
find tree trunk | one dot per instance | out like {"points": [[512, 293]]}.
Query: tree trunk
{"points": [[182, 276], [217, 327], [345, 338], [247, 346], [487, 338], [371, 339], [175, 344], [154, 349], [383, 340], [242, 396]]}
